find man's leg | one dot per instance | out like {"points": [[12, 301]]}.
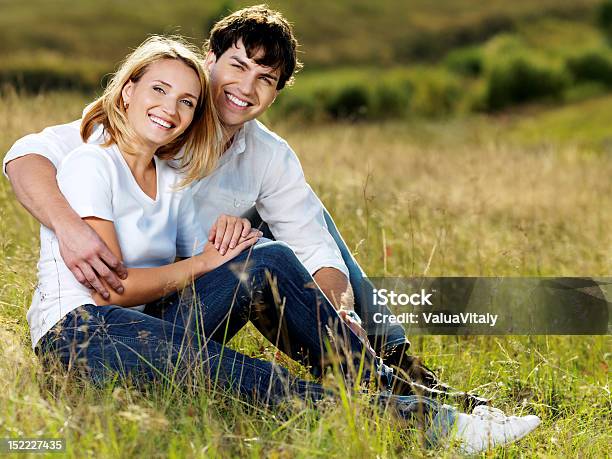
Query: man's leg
{"points": [[388, 340]]}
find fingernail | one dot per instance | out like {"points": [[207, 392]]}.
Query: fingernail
{"points": [[106, 296], [217, 246], [232, 245], [120, 290]]}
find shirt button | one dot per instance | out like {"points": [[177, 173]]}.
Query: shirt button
{"points": [[236, 203]]}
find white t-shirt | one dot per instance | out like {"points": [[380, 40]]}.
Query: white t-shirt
{"points": [[97, 182]]}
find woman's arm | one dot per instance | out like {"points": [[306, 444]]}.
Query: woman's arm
{"points": [[144, 285]]}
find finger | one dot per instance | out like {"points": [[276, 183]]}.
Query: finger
{"points": [[212, 232], [115, 265], [252, 234], [227, 237], [78, 274], [94, 281], [246, 227], [236, 235], [221, 227], [107, 275]]}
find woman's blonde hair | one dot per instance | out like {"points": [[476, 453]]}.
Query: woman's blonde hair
{"points": [[198, 148]]}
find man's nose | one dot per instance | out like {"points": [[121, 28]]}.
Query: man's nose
{"points": [[247, 84]]}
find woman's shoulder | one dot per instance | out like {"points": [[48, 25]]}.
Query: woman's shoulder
{"points": [[88, 161]]}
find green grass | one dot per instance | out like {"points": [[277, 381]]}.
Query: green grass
{"points": [[462, 197]]}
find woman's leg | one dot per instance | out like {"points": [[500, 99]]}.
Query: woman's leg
{"points": [[385, 338], [270, 287], [102, 341]]}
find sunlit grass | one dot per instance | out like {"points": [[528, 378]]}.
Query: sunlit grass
{"points": [[455, 198]]}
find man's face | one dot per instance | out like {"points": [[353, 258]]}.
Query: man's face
{"points": [[242, 89]]}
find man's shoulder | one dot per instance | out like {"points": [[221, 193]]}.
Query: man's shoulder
{"points": [[261, 139]]}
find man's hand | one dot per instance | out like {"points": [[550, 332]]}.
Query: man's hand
{"points": [[227, 231], [88, 257]]}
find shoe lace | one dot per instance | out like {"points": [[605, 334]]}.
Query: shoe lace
{"points": [[489, 413]]}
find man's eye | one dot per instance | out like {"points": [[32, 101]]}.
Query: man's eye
{"points": [[267, 80], [159, 89], [238, 66]]}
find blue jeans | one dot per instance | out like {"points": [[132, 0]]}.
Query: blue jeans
{"points": [[173, 341], [384, 337]]}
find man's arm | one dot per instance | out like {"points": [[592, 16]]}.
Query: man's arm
{"points": [[295, 216], [33, 178], [336, 287]]}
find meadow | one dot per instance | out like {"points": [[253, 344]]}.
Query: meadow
{"points": [[475, 195]]}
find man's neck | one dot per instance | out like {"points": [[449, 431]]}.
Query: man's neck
{"points": [[230, 135]]}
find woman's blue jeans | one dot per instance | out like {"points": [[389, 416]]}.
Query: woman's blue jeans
{"points": [[384, 337], [180, 339]]}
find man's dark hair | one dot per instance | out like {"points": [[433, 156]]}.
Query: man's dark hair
{"points": [[260, 28]]}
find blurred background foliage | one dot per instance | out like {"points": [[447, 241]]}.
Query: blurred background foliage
{"points": [[364, 60]]}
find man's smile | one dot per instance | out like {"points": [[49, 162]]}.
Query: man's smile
{"points": [[237, 101]]}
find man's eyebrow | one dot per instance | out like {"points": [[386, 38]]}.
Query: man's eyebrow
{"points": [[245, 64], [169, 85]]}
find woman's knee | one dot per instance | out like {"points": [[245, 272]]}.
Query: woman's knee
{"points": [[276, 256]]}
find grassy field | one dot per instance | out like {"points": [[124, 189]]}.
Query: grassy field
{"points": [[474, 196]]}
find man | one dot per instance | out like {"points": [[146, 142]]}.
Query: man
{"points": [[251, 57]]}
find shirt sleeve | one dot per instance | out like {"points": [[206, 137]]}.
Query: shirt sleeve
{"points": [[53, 143], [295, 214], [85, 180], [190, 239]]}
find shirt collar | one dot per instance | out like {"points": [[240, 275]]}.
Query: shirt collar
{"points": [[238, 146]]}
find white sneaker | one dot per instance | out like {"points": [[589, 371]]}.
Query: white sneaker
{"points": [[488, 427]]}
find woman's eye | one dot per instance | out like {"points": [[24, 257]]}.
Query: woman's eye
{"points": [[187, 102], [159, 90]]}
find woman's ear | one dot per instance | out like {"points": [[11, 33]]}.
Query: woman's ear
{"points": [[126, 93]]}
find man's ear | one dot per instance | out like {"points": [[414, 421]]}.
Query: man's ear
{"points": [[210, 60], [126, 93], [275, 96]]}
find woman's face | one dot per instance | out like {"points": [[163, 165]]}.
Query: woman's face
{"points": [[161, 105]]}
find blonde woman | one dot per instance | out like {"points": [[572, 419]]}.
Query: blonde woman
{"points": [[155, 109]]}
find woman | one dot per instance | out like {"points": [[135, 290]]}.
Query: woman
{"points": [[157, 108]]}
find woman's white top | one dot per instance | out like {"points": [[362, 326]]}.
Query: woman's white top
{"points": [[97, 182]]}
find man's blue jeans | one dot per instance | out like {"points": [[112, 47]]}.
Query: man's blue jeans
{"points": [[172, 340]]}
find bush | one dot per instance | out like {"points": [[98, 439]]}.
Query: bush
{"points": [[592, 66], [521, 79], [436, 93], [349, 102], [49, 71], [604, 17], [465, 61]]}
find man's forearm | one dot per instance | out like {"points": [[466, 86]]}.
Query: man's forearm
{"points": [[336, 287], [33, 180]]}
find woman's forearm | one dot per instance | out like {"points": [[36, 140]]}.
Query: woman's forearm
{"points": [[144, 285]]}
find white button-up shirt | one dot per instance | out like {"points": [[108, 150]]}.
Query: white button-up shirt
{"points": [[258, 169]]}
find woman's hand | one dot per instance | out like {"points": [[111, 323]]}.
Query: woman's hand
{"points": [[213, 258], [227, 231]]}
